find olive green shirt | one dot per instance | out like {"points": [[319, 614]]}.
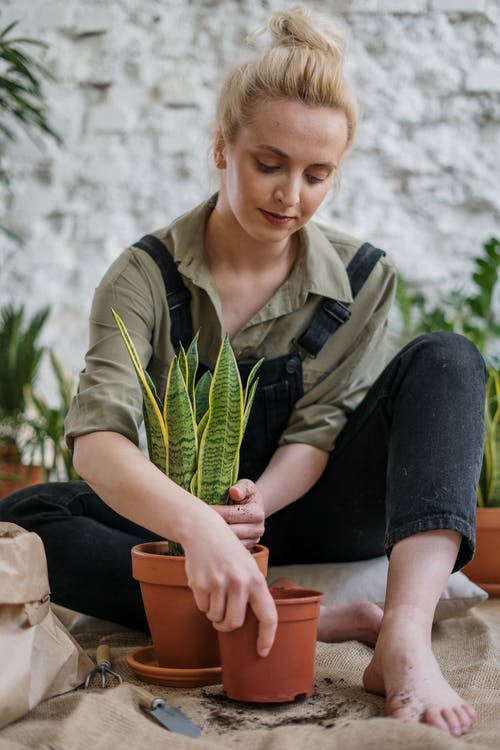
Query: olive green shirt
{"points": [[109, 397]]}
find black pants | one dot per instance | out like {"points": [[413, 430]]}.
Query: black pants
{"points": [[407, 461]]}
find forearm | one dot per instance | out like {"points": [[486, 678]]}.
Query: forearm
{"points": [[292, 471], [129, 483], [222, 574]]}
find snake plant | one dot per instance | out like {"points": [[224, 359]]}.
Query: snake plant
{"points": [[489, 485], [194, 434]]}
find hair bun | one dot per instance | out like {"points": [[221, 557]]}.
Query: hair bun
{"points": [[296, 27]]}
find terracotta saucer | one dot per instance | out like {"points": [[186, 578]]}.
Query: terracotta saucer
{"points": [[144, 663]]}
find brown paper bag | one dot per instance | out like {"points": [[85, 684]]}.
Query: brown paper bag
{"points": [[38, 657]]}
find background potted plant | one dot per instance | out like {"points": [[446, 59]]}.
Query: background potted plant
{"points": [[22, 103], [194, 435], [47, 423], [20, 356], [32, 446], [472, 312], [22, 108]]}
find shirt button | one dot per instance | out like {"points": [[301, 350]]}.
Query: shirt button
{"points": [[292, 365]]}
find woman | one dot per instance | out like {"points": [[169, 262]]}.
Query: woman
{"points": [[343, 458]]}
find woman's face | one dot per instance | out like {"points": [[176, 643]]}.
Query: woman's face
{"points": [[279, 168]]}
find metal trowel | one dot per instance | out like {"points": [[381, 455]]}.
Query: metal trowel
{"points": [[170, 717]]}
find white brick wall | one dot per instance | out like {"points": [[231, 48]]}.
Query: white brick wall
{"points": [[133, 100]]}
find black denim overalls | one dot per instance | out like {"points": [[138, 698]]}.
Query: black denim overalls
{"points": [[407, 461], [280, 379]]}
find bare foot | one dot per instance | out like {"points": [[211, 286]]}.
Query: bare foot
{"points": [[358, 621], [405, 670]]}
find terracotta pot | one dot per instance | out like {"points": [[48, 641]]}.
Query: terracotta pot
{"points": [[22, 476], [484, 568], [288, 671], [182, 636]]}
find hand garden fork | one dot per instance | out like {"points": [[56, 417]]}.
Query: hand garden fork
{"points": [[103, 668]]}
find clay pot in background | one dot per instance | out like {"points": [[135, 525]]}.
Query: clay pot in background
{"points": [[16, 476], [288, 670], [182, 636], [484, 568]]}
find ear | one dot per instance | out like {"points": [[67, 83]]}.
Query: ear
{"points": [[219, 150]]}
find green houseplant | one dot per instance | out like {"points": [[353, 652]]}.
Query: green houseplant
{"points": [[47, 424], [20, 355], [32, 446], [22, 102], [473, 314], [22, 107], [194, 435]]}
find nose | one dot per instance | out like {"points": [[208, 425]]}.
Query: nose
{"points": [[288, 192]]}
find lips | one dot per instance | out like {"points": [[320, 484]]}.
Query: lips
{"points": [[277, 220]]}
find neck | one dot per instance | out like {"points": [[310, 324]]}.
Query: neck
{"points": [[226, 244]]}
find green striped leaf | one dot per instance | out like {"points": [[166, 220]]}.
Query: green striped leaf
{"points": [[234, 478], [153, 420], [201, 394], [221, 438], [192, 367], [181, 428], [251, 379], [157, 441], [248, 405], [202, 425], [182, 360]]}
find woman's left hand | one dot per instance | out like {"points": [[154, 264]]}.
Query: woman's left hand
{"points": [[246, 517]]}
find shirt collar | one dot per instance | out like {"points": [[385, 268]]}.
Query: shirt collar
{"points": [[318, 270]]}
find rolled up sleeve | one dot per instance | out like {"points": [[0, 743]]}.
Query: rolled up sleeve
{"points": [[109, 396]]}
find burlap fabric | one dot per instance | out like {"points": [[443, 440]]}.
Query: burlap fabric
{"points": [[340, 715]]}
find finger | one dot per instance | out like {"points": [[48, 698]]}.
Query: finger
{"points": [[217, 609], [242, 490], [236, 608], [265, 611], [202, 600], [241, 514], [246, 531]]}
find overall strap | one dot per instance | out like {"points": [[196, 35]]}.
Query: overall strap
{"points": [[332, 313], [178, 296]]}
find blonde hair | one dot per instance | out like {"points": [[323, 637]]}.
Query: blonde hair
{"points": [[304, 61]]}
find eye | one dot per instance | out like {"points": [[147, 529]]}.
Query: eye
{"points": [[267, 168], [313, 180]]}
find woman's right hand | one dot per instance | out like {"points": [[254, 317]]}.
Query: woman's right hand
{"points": [[225, 578], [221, 572]]}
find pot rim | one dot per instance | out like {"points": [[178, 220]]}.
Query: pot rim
{"points": [[290, 596], [139, 550]]}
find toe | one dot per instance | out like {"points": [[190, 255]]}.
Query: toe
{"points": [[471, 713], [434, 717], [466, 717], [453, 721]]}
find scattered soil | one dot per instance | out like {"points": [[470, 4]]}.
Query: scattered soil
{"points": [[325, 709]]}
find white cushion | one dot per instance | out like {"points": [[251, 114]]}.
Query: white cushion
{"points": [[342, 583]]}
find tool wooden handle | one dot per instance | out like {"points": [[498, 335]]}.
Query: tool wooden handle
{"points": [[103, 654], [144, 698]]}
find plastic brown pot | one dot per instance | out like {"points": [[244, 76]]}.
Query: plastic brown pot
{"points": [[287, 672], [484, 568], [182, 636]]}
